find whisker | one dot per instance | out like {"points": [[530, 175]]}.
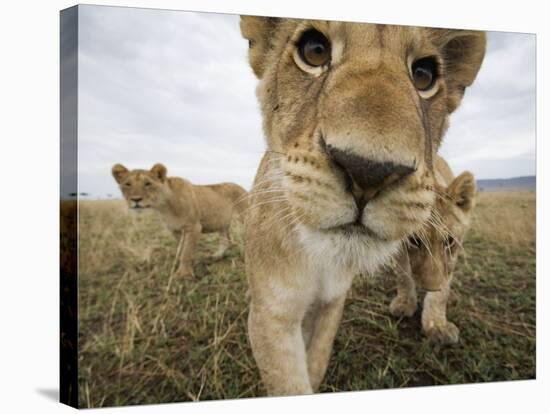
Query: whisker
{"points": [[271, 201], [275, 152]]}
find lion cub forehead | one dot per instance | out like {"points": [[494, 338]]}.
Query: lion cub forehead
{"points": [[359, 41], [368, 34], [451, 215], [138, 174]]}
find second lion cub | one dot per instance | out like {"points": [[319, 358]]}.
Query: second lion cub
{"points": [[431, 256], [186, 209]]}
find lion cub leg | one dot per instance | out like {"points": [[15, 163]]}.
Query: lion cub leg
{"points": [[189, 239], [321, 332], [404, 304], [279, 350], [434, 317], [222, 247]]}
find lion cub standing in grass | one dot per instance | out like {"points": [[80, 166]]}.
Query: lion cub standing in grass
{"points": [[186, 209], [431, 255], [353, 115]]}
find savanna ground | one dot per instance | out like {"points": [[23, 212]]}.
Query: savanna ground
{"points": [[146, 339]]}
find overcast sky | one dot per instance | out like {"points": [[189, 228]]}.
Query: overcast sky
{"points": [[175, 87]]}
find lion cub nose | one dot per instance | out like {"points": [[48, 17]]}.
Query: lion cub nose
{"points": [[367, 177], [136, 199]]}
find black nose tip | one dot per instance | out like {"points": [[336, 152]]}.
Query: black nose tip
{"points": [[365, 173], [136, 199]]}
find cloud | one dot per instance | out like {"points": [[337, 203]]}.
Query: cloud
{"points": [[165, 86], [175, 87], [493, 133]]}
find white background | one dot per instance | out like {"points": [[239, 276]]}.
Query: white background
{"points": [[29, 188]]}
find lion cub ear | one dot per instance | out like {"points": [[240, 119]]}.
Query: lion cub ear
{"points": [[159, 171], [463, 190], [463, 52], [259, 33], [119, 171]]}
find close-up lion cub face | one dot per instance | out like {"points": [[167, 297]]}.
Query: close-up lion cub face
{"points": [[141, 188], [433, 252], [353, 114]]}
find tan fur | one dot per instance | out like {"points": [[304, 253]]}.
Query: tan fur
{"points": [[306, 237], [433, 255], [186, 209]]}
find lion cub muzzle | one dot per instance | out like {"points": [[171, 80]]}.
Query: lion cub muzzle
{"points": [[136, 203], [367, 177]]}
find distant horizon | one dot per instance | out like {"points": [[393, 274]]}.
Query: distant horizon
{"points": [[509, 178], [118, 197]]}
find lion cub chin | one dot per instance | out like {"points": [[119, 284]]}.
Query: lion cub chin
{"points": [[186, 209], [430, 259]]}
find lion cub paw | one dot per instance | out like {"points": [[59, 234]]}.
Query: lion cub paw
{"points": [[403, 306], [442, 334], [184, 272]]}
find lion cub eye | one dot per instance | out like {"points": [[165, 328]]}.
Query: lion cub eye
{"points": [[314, 48], [424, 73], [128, 184], [450, 242], [147, 183], [415, 241]]}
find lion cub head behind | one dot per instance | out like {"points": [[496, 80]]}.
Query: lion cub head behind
{"points": [[353, 114], [141, 188], [433, 253]]}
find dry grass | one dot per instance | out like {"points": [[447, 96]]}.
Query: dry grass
{"points": [[506, 218], [141, 342]]}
